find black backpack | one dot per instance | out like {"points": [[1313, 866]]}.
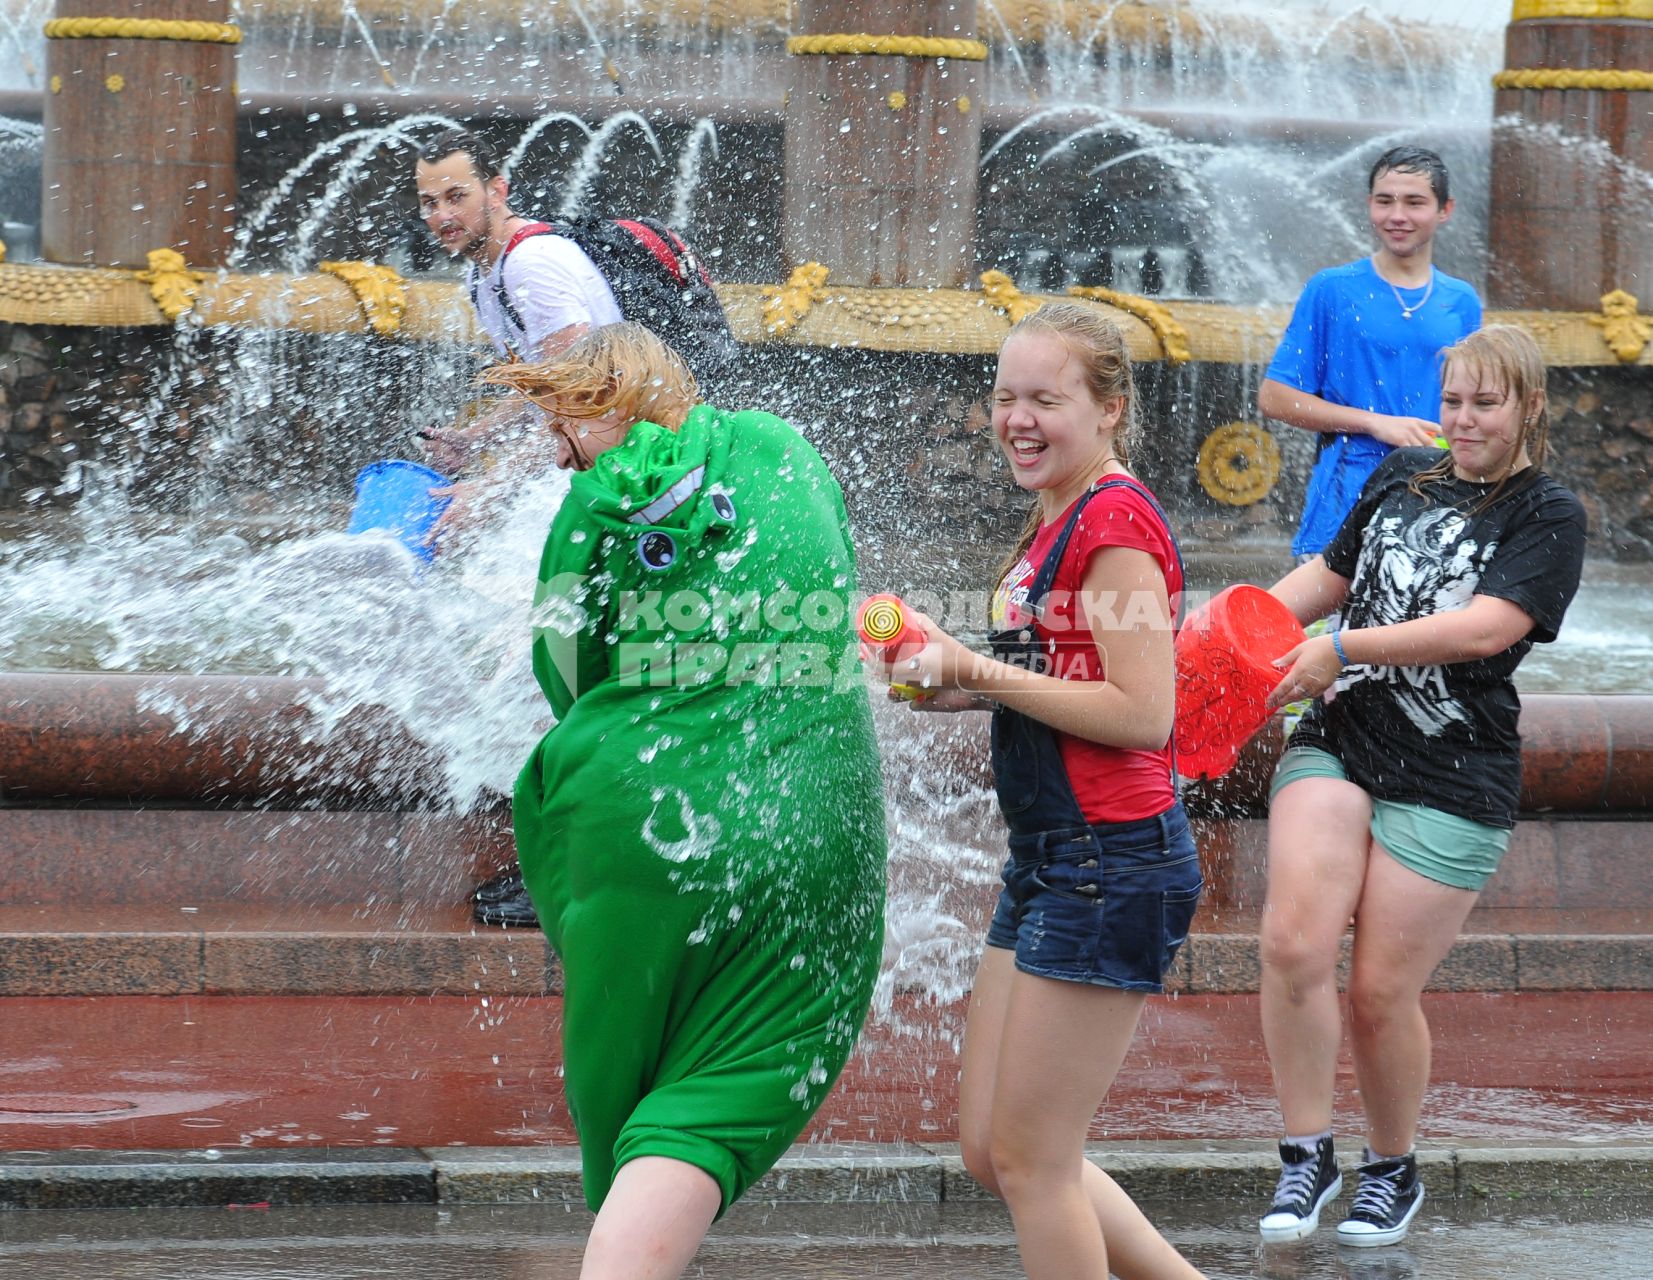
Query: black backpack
{"points": [[657, 279]]}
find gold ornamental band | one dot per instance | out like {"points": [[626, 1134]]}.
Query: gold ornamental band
{"points": [[1533, 10], [365, 298], [888, 46], [142, 29], [1554, 78]]}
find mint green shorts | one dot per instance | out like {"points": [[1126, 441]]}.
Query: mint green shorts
{"points": [[1440, 846]]}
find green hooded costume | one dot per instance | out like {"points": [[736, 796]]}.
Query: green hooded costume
{"points": [[702, 832]]}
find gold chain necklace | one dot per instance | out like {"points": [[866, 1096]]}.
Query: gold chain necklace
{"points": [[1406, 311]]}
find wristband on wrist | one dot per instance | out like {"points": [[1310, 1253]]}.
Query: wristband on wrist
{"points": [[1337, 644]]}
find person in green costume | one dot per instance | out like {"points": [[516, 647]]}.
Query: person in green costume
{"points": [[702, 831]]}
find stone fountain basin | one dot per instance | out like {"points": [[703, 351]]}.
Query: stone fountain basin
{"points": [[254, 741], [220, 740]]}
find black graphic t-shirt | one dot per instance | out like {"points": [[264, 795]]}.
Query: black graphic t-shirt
{"points": [[1444, 736]]}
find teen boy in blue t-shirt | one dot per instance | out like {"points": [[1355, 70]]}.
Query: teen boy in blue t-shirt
{"points": [[1358, 363]]}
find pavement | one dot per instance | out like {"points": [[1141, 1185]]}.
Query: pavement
{"points": [[828, 1173]]}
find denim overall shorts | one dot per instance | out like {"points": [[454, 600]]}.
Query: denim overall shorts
{"points": [[1106, 903]]}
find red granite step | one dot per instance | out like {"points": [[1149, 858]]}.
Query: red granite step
{"points": [[1528, 950], [422, 949], [1562, 864], [175, 901], [192, 857], [264, 949]]}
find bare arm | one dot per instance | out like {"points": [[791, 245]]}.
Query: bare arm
{"points": [[1300, 409], [498, 437], [1124, 602], [1311, 590], [452, 449], [490, 451], [1485, 626]]}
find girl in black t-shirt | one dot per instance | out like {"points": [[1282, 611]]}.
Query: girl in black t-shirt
{"points": [[1394, 800]]}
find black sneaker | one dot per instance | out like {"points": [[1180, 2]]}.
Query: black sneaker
{"points": [[1308, 1178], [513, 912], [1386, 1200], [498, 887]]}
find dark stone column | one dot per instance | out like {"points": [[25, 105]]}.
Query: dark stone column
{"points": [[140, 137], [882, 150], [1568, 220]]}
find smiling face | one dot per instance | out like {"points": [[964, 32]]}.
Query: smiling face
{"points": [[1484, 424], [1405, 213], [461, 209], [1055, 435]]}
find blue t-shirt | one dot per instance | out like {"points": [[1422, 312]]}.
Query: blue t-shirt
{"points": [[1349, 342]]}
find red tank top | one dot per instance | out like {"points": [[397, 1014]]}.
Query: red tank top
{"points": [[1112, 784]]}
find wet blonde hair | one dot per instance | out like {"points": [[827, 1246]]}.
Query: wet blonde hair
{"points": [[619, 368], [1100, 348], [1505, 357]]}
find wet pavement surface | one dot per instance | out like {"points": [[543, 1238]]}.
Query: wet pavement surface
{"points": [[128, 1073], [1608, 1240]]}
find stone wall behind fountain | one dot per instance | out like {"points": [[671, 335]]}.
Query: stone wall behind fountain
{"points": [[267, 428], [238, 425]]}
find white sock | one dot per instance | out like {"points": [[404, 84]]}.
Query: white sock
{"points": [[1309, 1143]]}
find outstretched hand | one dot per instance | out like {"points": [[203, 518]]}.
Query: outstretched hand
{"points": [[943, 700], [1402, 432], [449, 449], [936, 669], [1310, 669], [461, 512]]}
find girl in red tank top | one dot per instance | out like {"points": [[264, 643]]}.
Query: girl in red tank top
{"points": [[1102, 878]]}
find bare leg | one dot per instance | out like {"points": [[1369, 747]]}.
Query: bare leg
{"points": [[1405, 925], [1135, 1248], [1318, 844], [979, 1063], [1061, 1048], [652, 1222]]}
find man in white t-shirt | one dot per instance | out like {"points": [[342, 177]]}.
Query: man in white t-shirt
{"points": [[534, 292]]}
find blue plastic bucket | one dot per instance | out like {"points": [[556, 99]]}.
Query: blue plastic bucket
{"points": [[394, 497]]}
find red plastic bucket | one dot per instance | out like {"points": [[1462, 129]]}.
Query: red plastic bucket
{"points": [[1225, 672]]}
